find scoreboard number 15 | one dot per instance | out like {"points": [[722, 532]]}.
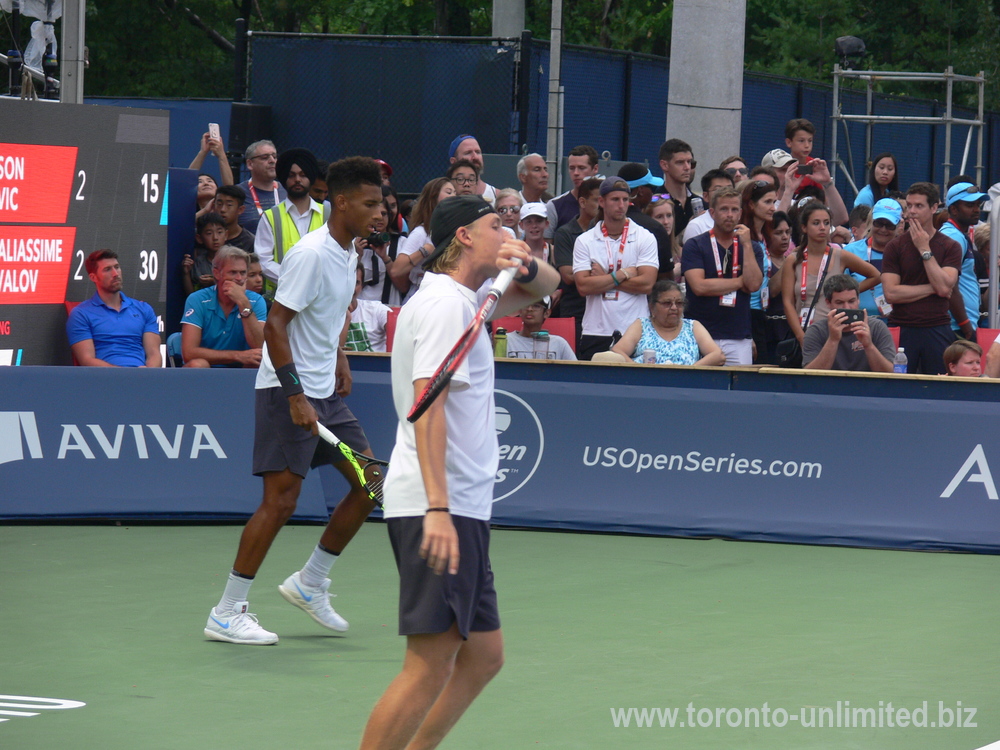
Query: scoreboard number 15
{"points": [[150, 188]]}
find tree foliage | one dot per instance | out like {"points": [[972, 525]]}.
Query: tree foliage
{"points": [[182, 48]]}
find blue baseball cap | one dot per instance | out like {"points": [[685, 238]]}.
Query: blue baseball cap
{"points": [[636, 175], [965, 192], [888, 209], [455, 144]]}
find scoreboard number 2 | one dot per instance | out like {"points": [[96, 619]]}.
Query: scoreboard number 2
{"points": [[150, 188], [83, 181]]}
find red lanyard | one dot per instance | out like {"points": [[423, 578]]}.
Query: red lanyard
{"points": [[805, 269], [718, 258], [256, 200], [971, 234], [621, 246]]}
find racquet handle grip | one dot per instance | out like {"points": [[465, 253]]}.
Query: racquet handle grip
{"points": [[503, 280], [326, 434]]}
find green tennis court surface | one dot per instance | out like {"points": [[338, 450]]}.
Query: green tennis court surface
{"points": [[595, 625]]}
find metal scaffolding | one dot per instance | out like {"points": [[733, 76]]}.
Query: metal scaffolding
{"points": [[949, 78]]}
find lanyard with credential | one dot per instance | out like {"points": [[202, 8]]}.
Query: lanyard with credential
{"points": [[805, 269], [621, 246], [256, 200], [969, 236], [718, 258]]}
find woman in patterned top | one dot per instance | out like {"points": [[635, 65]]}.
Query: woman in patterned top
{"points": [[675, 339]]}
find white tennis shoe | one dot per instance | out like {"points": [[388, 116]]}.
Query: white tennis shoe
{"points": [[238, 626], [314, 600]]}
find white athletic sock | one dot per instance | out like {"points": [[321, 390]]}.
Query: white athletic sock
{"points": [[317, 569], [237, 590]]}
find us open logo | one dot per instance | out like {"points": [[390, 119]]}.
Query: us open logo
{"points": [[522, 443]]}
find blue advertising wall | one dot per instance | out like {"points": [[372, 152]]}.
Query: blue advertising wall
{"points": [[869, 461]]}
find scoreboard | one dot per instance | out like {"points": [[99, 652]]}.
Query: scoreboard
{"points": [[75, 178]]}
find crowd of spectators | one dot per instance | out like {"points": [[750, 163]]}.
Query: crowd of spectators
{"points": [[763, 266]]}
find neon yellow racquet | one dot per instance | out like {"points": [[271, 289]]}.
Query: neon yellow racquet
{"points": [[370, 471]]}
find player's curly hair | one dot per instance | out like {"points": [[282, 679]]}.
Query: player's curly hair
{"points": [[347, 175]]}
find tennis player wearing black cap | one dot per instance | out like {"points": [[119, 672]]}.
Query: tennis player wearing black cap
{"points": [[302, 379], [439, 488], [286, 223]]}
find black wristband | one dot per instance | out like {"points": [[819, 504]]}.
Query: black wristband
{"points": [[289, 379], [531, 274], [438, 510]]}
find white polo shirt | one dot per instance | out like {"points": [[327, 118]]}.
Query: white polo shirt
{"points": [[317, 282], [427, 329], [603, 316]]}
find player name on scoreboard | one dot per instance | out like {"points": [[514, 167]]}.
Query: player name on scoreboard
{"points": [[36, 183]]}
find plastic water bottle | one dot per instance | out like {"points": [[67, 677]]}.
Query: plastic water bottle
{"points": [[540, 345], [900, 362], [500, 343]]}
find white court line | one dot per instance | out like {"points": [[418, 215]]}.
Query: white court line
{"points": [[991, 746]]}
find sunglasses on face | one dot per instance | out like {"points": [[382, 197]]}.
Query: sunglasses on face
{"points": [[733, 171], [508, 210]]}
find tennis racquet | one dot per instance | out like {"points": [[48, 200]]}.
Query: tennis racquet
{"points": [[370, 471], [446, 370]]}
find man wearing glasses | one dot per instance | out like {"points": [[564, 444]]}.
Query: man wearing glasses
{"points": [[466, 147], [262, 191], [465, 176], [712, 182], [736, 168]]}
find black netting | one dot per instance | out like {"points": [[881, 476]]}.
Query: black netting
{"points": [[404, 99]]}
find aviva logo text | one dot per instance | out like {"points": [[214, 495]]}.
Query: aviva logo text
{"points": [[19, 430]]}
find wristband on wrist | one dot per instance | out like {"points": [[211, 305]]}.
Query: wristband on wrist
{"points": [[963, 322], [289, 379], [615, 278], [438, 510], [532, 272]]}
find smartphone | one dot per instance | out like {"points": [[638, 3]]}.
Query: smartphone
{"points": [[214, 132], [804, 169], [853, 316]]}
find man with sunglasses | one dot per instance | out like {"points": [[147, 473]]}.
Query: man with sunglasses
{"points": [[886, 215], [736, 168], [712, 182], [641, 183], [262, 189], [964, 202]]}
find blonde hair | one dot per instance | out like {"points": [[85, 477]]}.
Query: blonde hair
{"points": [[508, 193], [449, 259]]}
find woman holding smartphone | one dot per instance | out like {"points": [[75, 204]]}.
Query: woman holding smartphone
{"points": [[815, 259]]}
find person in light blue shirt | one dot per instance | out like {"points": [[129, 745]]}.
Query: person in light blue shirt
{"points": [[883, 178], [964, 201], [223, 325], [885, 220]]}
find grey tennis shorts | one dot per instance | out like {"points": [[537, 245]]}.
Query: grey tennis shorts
{"points": [[279, 443], [430, 603]]}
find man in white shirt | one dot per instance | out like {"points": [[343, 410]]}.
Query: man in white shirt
{"points": [[439, 487], [283, 225], [303, 377], [712, 182], [615, 266], [533, 174]]}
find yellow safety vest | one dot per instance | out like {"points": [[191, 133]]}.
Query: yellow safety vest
{"points": [[286, 234]]}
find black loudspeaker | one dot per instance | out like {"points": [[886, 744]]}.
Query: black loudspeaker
{"points": [[248, 123]]}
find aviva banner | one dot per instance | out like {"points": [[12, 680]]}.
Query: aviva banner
{"points": [[612, 456]]}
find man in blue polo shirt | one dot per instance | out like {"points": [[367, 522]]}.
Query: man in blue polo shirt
{"points": [[110, 329], [964, 202], [223, 325]]}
